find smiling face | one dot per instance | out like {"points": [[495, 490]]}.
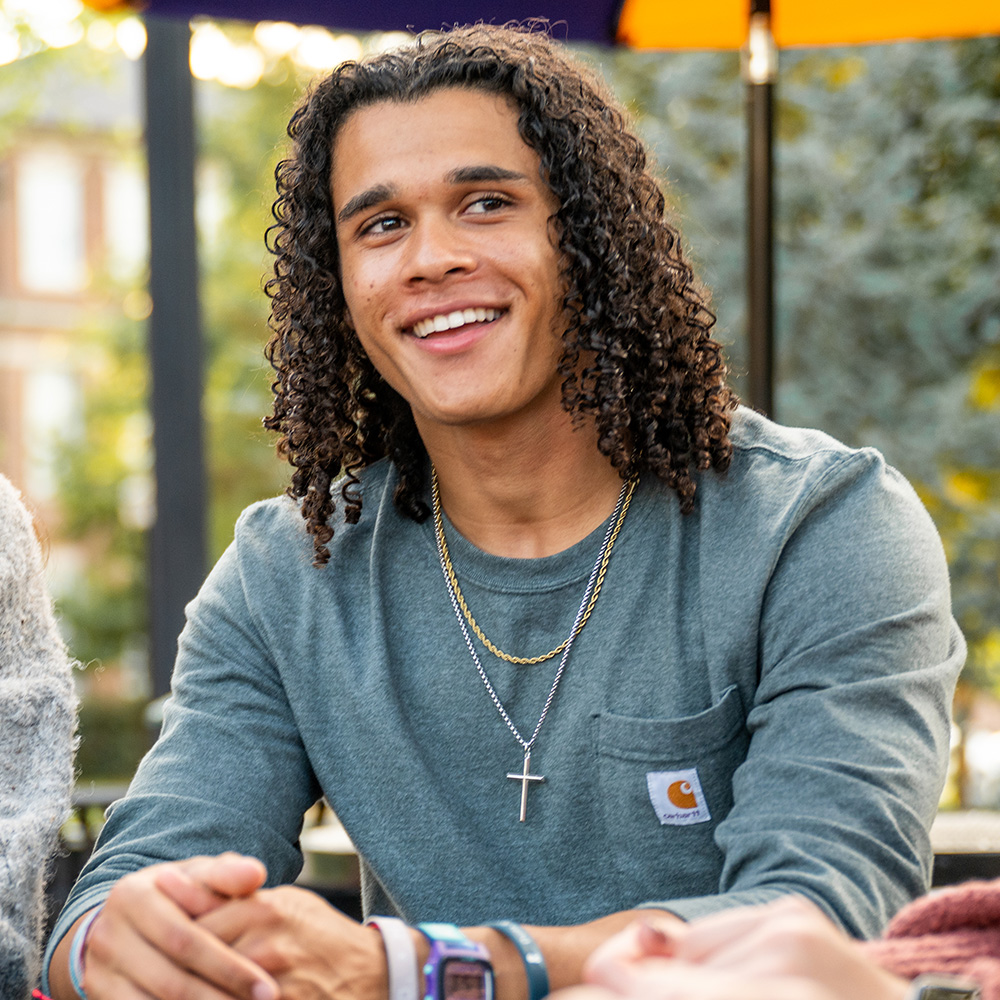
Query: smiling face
{"points": [[449, 270]]}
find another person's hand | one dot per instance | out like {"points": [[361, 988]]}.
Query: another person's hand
{"points": [[312, 950], [145, 942], [786, 949]]}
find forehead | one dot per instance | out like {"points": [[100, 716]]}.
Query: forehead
{"points": [[394, 144]]}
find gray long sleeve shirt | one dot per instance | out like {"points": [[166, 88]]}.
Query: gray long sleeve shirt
{"points": [[758, 705]]}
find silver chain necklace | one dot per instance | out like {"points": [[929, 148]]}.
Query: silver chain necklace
{"points": [[614, 525]]}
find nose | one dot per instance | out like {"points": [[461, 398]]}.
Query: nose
{"points": [[436, 248]]}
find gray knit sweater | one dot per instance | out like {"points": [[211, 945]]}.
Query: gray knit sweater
{"points": [[37, 721]]}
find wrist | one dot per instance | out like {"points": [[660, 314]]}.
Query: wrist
{"points": [[402, 981], [566, 949], [509, 980], [77, 951], [532, 960]]}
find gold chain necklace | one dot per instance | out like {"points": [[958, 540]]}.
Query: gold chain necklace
{"points": [[525, 777], [627, 490]]}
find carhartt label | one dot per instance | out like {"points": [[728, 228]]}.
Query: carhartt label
{"points": [[677, 797]]}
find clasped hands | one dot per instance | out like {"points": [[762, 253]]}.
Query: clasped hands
{"points": [[204, 929], [784, 950]]}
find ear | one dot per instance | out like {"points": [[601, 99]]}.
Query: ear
{"points": [[348, 319]]}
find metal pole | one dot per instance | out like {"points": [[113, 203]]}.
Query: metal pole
{"points": [[177, 548], [760, 67]]}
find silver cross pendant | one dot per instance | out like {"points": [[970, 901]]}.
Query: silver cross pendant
{"points": [[524, 777]]}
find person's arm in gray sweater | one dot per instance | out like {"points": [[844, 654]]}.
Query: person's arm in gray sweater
{"points": [[37, 722]]}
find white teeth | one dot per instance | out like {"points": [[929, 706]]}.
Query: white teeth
{"points": [[452, 321]]}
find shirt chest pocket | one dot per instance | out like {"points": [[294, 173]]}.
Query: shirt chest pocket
{"points": [[664, 785]]}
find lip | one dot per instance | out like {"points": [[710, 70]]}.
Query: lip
{"points": [[447, 309], [455, 341]]}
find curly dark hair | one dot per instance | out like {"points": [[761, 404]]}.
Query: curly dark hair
{"points": [[652, 378]]}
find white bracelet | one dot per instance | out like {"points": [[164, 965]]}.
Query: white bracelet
{"points": [[400, 956]]}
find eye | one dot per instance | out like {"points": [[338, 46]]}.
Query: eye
{"points": [[487, 203], [381, 225]]}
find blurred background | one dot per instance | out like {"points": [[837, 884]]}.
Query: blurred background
{"points": [[887, 309]]}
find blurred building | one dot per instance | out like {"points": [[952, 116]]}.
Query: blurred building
{"points": [[73, 215]]}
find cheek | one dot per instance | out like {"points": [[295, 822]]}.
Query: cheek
{"points": [[360, 300], [364, 292]]}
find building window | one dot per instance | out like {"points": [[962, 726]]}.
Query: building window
{"points": [[126, 225], [52, 253]]}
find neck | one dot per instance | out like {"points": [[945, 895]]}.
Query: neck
{"points": [[529, 494]]}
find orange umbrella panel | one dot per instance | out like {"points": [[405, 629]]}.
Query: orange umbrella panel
{"points": [[718, 24]]}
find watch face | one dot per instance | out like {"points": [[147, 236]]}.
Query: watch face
{"points": [[466, 979]]}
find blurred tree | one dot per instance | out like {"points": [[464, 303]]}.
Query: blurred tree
{"points": [[105, 494], [889, 325], [240, 144], [888, 234]]}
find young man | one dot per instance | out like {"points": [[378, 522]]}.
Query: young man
{"points": [[584, 638]]}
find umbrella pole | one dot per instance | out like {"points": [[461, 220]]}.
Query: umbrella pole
{"points": [[760, 65], [177, 540]]}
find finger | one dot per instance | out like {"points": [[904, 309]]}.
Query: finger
{"points": [[656, 936], [236, 917], [605, 965], [102, 984], [584, 993], [227, 874], [713, 935], [139, 971], [169, 931], [189, 893], [681, 981]]}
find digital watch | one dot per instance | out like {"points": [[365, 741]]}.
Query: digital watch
{"points": [[939, 987], [457, 968]]}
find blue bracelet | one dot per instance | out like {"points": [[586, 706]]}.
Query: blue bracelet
{"points": [[76, 952], [531, 954]]}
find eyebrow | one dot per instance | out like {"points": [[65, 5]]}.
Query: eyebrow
{"points": [[365, 200], [483, 172], [460, 175]]}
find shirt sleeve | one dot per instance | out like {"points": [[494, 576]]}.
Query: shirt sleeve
{"points": [[229, 771], [849, 726]]}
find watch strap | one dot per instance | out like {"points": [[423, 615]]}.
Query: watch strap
{"points": [[448, 934], [942, 987], [400, 956], [531, 955]]}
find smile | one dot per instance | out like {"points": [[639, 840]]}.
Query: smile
{"points": [[444, 322]]}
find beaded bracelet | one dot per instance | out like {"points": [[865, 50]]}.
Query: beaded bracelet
{"points": [[76, 952], [400, 956], [531, 955]]}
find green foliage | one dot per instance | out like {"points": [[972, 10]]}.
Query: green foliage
{"points": [[237, 144], [114, 738], [36, 87], [104, 494], [888, 251]]}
